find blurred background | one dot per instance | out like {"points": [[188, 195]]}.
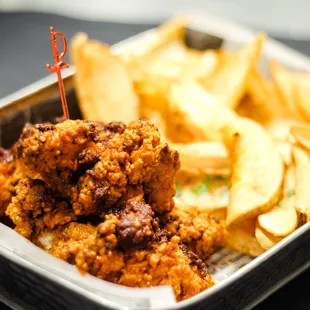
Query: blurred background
{"points": [[24, 33], [287, 18], [25, 48]]}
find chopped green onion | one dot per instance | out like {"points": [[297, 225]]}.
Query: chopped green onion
{"points": [[202, 188], [179, 190], [290, 193], [209, 178]]}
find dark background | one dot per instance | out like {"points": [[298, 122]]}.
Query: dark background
{"points": [[24, 51]]}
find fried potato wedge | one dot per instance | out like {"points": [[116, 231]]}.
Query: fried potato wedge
{"points": [[178, 63], [196, 113], [257, 111], [301, 133], [285, 150], [228, 83], [257, 171], [208, 193], [242, 239], [302, 94], [263, 104], [158, 75], [265, 239], [263, 92], [282, 219], [293, 89], [168, 32], [104, 88], [266, 102], [167, 37], [203, 158], [302, 163], [279, 130]]}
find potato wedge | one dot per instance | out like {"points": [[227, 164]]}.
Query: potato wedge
{"points": [[263, 92], [301, 133], [302, 163], [265, 239], [103, 85], [285, 150], [257, 111], [302, 94], [286, 87], [282, 219], [266, 105], [242, 239], [207, 193], [196, 113], [203, 158], [158, 75], [257, 171], [229, 81], [172, 30]]}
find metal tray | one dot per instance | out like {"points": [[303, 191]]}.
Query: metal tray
{"points": [[32, 279]]}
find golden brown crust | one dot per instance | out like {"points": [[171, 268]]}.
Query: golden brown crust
{"points": [[35, 207], [90, 165], [163, 263], [201, 232], [104, 194], [11, 171]]}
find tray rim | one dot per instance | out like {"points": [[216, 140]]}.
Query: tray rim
{"points": [[51, 81]]}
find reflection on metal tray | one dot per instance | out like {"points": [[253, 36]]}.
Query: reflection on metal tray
{"points": [[31, 286]]}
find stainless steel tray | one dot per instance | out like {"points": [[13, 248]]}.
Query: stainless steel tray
{"points": [[32, 279]]}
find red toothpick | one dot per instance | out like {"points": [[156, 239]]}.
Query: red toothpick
{"points": [[58, 65]]}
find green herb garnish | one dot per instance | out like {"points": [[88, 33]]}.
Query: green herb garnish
{"points": [[179, 190], [209, 178], [201, 188], [290, 193], [281, 203]]}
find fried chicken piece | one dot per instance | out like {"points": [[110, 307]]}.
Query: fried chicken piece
{"points": [[91, 249], [92, 165], [35, 207], [165, 262], [200, 232], [137, 225], [10, 173], [122, 181]]}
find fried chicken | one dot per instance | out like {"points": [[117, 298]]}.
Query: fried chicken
{"points": [[104, 194], [35, 207], [201, 232], [167, 263], [164, 262], [92, 166], [10, 173]]}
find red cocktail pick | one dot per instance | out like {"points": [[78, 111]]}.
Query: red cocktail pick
{"points": [[58, 65]]}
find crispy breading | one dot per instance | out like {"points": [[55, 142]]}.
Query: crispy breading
{"points": [[201, 232], [35, 207], [103, 194], [11, 171], [92, 166], [164, 262]]}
